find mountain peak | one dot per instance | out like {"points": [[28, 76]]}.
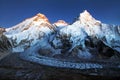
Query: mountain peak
{"points": [[86, 18], [61, 23], [37, 21], [86, 13], [40, 17]]}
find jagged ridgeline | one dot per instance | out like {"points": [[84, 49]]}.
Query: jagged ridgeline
{"points": [[86, 38], [5, 45]]}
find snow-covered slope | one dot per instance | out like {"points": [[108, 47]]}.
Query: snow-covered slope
{"points": [[109, 34], [29, 32], [85, 38], [86, 31]]}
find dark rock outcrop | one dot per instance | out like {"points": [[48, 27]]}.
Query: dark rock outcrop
{"points": [[5, 45]]}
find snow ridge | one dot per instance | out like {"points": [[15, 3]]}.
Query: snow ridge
{"points": [[37, 34]]}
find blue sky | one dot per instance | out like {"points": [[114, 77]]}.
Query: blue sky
{"points": [[13, 12]]}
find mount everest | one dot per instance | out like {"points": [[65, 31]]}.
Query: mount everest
{"points": [[86, 38]]}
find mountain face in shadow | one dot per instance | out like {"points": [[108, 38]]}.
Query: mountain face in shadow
{"points": [[5, 45]]}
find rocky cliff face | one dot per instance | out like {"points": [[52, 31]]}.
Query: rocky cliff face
{"points": [[5, 45]]}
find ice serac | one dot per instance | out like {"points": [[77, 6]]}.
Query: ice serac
{"points": [[29, 32], [60, 23]]}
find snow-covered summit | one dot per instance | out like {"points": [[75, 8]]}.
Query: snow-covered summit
{"points": [[41, 17], [28, 32], [109, 34], [36, 21], [86, 32], [86, 19], [61, 23]]}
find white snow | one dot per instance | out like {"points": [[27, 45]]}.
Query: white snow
{"points": [[30, 36], [29, 33], [77, 35]]}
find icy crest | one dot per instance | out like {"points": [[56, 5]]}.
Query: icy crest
{"points": [[87, 19]]}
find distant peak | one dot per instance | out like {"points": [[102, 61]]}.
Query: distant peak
{"points": [[86, 12], [86, 17], [61, 23], [40, 17]]}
